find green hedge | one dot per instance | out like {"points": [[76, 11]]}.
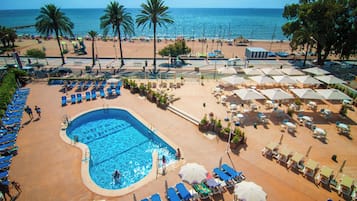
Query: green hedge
{"points": [[8, 87]]}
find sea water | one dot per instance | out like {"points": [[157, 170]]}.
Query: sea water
{"points": [[227, 23]]}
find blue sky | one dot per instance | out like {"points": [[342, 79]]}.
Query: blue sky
{"points": [[35, 4]]}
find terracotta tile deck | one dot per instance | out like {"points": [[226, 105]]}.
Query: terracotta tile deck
{"points": [[49, 169]]}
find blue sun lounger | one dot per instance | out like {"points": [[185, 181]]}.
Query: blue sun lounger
{"points": [[79, 98], [183, 192], [155, 197], [87, 85], [145, 199], [6, 146], [96, 84], [110, 92], [102, 94], [117, 91], [8, 138], [73, 98], [4, 174], [172, 195], [5, 159], [232, 172], [6, 183], [87, 96], [94, 94], [64, 100], [5, 165], [222, 175]]}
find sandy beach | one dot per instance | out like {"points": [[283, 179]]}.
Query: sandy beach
{"points": [[144, 49]]}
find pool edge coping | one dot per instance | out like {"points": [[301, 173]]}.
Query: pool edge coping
{"points": [[85, 176]]}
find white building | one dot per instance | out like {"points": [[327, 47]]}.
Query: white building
{"points": [[256, 53]]}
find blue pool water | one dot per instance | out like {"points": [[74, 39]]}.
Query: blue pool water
{"points": [[117, 140]]}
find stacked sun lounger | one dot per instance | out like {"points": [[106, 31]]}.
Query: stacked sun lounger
{"points": [[154, 197], [8, 132]]}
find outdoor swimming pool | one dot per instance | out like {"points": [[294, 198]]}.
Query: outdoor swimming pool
{"points": [[118, 141]]}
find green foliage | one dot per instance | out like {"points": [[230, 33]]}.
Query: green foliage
{"points": [[35, 53], [118, 19], [52, 20], [204, 120], [8, 37], [153, 13], [325, 25], [8, 88], [176, 49]]}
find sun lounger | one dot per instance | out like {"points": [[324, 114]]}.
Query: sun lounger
{"points": [[183, 192], [88, 84], [5, 159], [79, 98], [232, 172], [112, 86], [110, 92], [145, 199], [4, 166], [6, 182], [172, 195], [224, 177], [95, 86], [203, 191], [155, 197], [73, 98], [117, 91], [94, 94], [87, 96], [6, 146], [102, 94], [104, 83], [4, 174], [8, 138]]}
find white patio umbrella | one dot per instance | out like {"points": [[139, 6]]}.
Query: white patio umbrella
{"points": [[306, 93], [316, 71], [248, 94], [276, 94], [262, 79], [333, 94], [306, 80], [292, 71], [193, 173], [330, 79], [249, 191], [252, 71], [284, 79], [233, 80], [272, 71], [226, 70]]}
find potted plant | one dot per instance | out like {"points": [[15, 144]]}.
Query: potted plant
{"points": [[224, 133], [203, 125], [162, 101], [182, 80], [126, 83], [235, 141], [142, 89], [218, 126]]}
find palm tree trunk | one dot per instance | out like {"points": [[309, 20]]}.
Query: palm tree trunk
{"points": [[59, 45], [120, 48], [154, 48], [93, 63]]}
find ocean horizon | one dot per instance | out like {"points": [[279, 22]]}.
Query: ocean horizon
{"points": [[190, 23]]}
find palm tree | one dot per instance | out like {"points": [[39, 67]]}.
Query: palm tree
{"points": [[52, 19], [153, 13], [118, 19], [93, 34]]}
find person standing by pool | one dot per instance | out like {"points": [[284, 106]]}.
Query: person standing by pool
{"points": [[178, 154], [38, 111], [163, 165], [28, 110]]}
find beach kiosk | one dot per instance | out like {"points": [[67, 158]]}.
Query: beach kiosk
{"points": [[325, 176], [310, 168], [256, 53]]}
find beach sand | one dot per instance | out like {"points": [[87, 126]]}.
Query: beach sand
{"points": [[145, 49]]}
